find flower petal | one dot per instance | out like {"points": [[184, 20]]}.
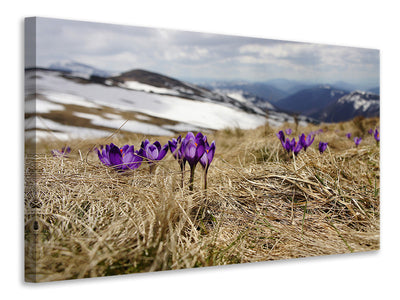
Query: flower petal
{"points": [[190, 136], [204, 160], [115, 156], [200, 149], [152, 152], [163, 152], [211, 152], [144, 144], [158, 145]]}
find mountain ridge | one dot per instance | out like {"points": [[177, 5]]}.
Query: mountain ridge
{"points": [[309, 101], [356, 103]]}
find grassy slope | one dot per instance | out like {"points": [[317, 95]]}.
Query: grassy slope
{"points": [[84, 220]]}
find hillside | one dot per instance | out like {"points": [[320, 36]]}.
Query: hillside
{"points": [[61, 105], [354, 104], [83, 219], [310, 100], [265, 91], [78, 69]]}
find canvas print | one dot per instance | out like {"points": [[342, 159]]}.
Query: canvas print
{"points": [[149, 149]]}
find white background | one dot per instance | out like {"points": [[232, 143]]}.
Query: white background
{"points": [[369, 24]]}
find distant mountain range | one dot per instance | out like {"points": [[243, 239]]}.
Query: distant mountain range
{"points": [[319, 102], [266, 91], [354, 104], [78, 69], [310, 100]]}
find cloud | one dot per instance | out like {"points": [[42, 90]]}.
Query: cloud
{"points": [[189, 54]]}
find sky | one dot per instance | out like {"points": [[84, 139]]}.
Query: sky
{"points": [[194, 56]]}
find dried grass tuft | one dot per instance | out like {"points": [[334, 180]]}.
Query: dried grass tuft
{"points": [[85, 220]]}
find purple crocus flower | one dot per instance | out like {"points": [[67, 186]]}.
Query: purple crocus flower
{"points": [[281, 137], [122, 159], [104, 154], [174, 146], [62, 153], [306, 141], [377, 136], [292, 145], [208, 155], [357, 141], [207, 158], [322, 147], [289, 145], [288, 131], [348, 135], [193, 148], [297, 147], [370, 131], [154, 152]]}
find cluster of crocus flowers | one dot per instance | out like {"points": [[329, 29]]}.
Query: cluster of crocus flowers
{"points": [[357, 140], [193, 149], [295, 146], [61, 153]]}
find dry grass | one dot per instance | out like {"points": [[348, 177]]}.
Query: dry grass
{"points": [[85, 220]]}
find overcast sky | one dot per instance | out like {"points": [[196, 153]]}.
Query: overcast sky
{"points": [[194, 56]]}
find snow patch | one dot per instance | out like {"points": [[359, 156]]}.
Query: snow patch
{"points": [[182, 127], [133, 126], [238, 96], [138, 86], [69, 99], [41, 106], [50, 129], [360, 100], [112, 116], [142, 117]]}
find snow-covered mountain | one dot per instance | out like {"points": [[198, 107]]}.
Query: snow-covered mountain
{"points": [[142, 80], [246, 97], [311, 100], [78, 69], [357, 103], [59, 105], [265, 91]]}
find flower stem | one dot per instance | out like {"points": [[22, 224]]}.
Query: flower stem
{"points": [[152, 167], [205, 179], [191, 177], [294, 161], [182, 173]]}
